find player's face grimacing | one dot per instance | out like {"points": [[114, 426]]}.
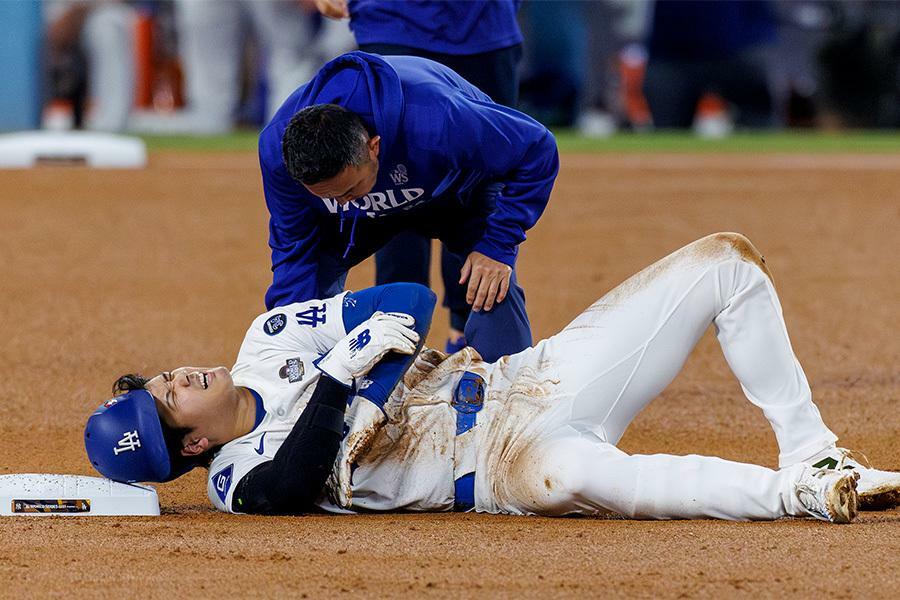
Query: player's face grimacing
{"points": [[353, 181], [192, 399]]}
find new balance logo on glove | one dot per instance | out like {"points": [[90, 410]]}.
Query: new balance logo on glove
{"points": [[364, 346], [359, 342]]}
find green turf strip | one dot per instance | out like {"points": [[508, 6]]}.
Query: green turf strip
{"points": [[789, 142], [242, 141], [570, 141]]}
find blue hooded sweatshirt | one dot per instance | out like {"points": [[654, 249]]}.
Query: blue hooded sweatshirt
{"points": [[457, 28], [442, 141]]}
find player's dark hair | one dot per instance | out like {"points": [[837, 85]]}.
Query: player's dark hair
{"points": [[172, 435], [127, 383], [321, 141]]}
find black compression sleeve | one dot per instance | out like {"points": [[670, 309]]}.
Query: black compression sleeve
{"points": [[294, 478]]}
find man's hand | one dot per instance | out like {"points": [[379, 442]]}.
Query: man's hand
{"points": [[488, 281], [355, 355], [333, 9]]}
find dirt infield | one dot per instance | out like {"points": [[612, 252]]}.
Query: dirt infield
{"points": [[109, 272]]}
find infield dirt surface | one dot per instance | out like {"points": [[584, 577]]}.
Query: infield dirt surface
{"points": [[108, 272]]}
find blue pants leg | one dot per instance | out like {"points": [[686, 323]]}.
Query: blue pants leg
{"points": [[503, 330], [495, 73], [406, 258], [454, 293]]}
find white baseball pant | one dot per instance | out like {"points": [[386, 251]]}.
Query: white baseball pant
{"points": [[620, 353]]}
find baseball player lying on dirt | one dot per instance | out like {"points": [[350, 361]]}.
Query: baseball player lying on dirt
{"points": [[332, 405]]}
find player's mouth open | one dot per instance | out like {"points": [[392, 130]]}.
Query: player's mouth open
{"points": [[203, 380]]}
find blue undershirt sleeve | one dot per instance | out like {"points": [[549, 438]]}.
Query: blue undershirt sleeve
{"points": [[410, 298]]}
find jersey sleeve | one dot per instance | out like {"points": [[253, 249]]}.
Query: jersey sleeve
{"points": [[293, 229], [294, 478], [312, 327], [513, 150], [228, 467]]}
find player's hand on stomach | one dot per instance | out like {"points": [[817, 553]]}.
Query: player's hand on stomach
{"points": [[488, 281], [355, 354]]}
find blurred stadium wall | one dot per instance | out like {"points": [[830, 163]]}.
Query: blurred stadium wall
{"points": [[20, 51]]}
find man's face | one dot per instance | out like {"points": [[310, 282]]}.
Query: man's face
{"points": [[192, 398], [353, 182]]}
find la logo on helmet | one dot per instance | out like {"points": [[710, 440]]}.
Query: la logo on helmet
{"points": [[129, 443]]}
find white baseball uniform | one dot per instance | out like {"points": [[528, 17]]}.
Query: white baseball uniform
{"points": [[544, 441]]}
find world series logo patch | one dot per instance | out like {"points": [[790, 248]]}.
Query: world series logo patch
{"points": [[54, 506], [292, 370], [275, 324], [399, 175]]}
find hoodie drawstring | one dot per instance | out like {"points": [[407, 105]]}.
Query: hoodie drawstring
{"points": [[352, 232]]}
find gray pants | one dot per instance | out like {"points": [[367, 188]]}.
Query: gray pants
{"points": [[211, 34]]}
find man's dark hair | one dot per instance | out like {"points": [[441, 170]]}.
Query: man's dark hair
{"points": [[321, 141], [172, 435]]}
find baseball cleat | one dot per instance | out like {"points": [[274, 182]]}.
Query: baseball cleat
{"points": [[878, 490], [828, 495]]}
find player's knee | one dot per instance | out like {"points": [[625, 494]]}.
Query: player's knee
{"points": [[745, 249], [731, 245], [737, 242]]}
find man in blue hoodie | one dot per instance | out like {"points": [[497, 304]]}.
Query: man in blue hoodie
{"points": [[480, 40], [373, 146]]}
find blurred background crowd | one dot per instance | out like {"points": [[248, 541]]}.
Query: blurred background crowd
{"points": [[209, 66]]}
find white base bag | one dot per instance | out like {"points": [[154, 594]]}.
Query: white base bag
{"points": [[91, 149], [33, 494]]}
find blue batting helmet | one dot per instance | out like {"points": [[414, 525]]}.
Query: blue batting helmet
{"points": [[125, 441]]}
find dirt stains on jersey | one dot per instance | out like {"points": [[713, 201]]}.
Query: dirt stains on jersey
{"points": [[414, 438]]}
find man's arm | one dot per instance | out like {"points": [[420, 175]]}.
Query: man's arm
{"points": [[293, 229], [520, 155], [292, 481], [294, 264], [409, 298]]}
